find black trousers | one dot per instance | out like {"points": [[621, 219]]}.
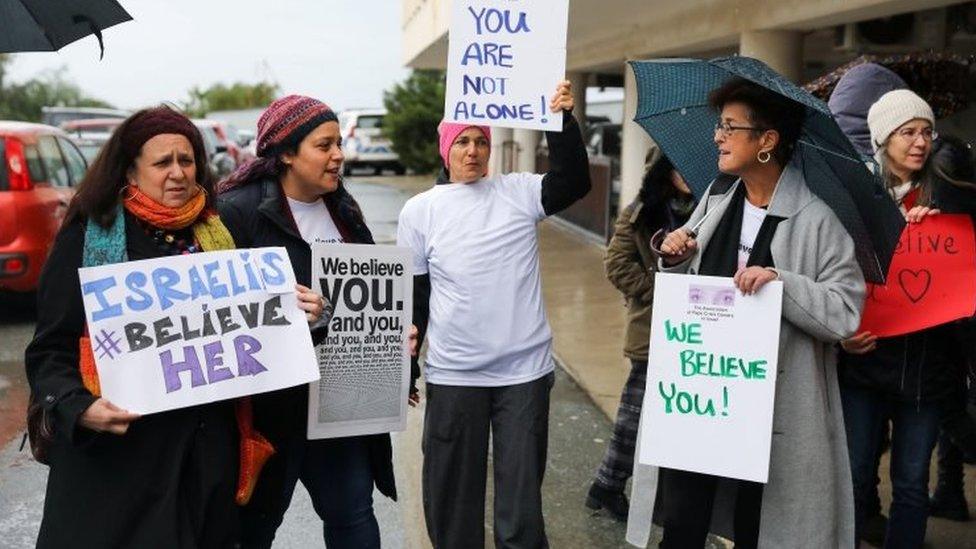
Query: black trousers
{"points": [[687, 507], [457, 424]]}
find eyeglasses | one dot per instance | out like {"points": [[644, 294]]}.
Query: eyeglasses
{"points": [[911, 134], [727, 128]]}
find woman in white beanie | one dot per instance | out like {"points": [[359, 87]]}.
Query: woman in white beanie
{"points": [[905, 379], [902, 128]]}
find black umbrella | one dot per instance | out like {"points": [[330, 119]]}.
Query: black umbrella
{"points": [[49, 25], [941, 78]]}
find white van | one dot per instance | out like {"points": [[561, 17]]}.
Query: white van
{"points": [[364, 144]]}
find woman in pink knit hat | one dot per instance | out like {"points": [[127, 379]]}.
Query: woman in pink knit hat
{"points": [[489, 366]]}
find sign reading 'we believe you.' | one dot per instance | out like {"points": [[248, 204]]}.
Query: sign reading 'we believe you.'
{"points": [[505, 59]]}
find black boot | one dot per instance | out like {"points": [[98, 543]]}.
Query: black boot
{"points": [[614, 502], [949, 501]]}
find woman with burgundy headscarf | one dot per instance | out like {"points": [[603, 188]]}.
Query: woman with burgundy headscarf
{"points": [[117, 479], [293, 196]]}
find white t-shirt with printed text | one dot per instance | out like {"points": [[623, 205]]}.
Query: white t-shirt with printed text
{"points": [[479, 244], [314, 222]]}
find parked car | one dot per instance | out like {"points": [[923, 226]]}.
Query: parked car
{"points": [[603, 139], [247, 140], [91, 134], [222, 163], [225, 136], [364, 144], [56, 116], [40, 168]]}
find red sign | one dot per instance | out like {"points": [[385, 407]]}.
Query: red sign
{"points": [[931, 280]]}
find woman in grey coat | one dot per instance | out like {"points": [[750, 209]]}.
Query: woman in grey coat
{"points": [[760, 222]]}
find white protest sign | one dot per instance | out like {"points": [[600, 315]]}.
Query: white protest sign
{"points": [[364, 360], [711, 378], [505, 58], [184, 330]]}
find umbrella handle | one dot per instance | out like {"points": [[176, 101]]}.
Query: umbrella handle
{"points": [[656, 240], [95, 30]]}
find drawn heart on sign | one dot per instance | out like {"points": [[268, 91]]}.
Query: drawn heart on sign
{"points": [[915, 284]]}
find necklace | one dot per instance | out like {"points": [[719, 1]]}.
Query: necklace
{"points": [[178, 242]]}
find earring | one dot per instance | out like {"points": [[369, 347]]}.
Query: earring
{"points": [[763, 159]]}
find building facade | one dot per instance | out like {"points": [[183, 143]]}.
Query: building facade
{"points": [[801, 39]]}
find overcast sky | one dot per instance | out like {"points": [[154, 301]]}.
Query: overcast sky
{"points": [[345, 52]]}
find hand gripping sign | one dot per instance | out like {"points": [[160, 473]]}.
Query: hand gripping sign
{"points": [[931, 280], [504, 61], [180, 331]]}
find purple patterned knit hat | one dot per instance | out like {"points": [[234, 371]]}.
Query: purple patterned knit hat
{"points": [[288, 120]]}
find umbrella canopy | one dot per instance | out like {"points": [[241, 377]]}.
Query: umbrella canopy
{"points": [[938, 77], [673, 108], [49, 25]]}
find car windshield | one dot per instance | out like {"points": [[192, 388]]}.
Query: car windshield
{"points": [[370, 122], [209, 140], [89, 150]]}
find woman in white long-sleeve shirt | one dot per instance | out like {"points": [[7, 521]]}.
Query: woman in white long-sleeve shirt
{"points": [[489, 363]]}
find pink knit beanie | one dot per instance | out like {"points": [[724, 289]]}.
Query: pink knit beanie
{"points": [[448, 133]]}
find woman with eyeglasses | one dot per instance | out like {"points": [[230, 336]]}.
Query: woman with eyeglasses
{"points": [[759, 222], [906, 380]]}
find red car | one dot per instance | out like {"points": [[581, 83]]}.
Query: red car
{"points": [[39, 169]]}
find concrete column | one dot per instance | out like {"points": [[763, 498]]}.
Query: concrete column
{"points": [[501, 149], [526, 142], [635, 144], [780, 49], [579, 81]]}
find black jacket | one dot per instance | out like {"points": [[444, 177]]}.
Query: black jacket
{"points": [[921, 367], [258, 215], [133, 490]]}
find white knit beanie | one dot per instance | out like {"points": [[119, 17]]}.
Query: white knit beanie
{"points": [[892, 110]]}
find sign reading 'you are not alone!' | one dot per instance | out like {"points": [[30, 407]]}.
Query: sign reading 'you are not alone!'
{"points": [[186, 330], [504, 61], [711, 377]]}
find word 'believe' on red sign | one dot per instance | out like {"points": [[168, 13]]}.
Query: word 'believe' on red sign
{"points": [[931, 280]]}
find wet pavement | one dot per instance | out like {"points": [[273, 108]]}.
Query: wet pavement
{"points": [[578, 437], [587, 320]]}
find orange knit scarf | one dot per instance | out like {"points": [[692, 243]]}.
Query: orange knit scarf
{"points": [[164, 217]]}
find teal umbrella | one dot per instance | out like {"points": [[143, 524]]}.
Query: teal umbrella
{"points": [[673, 108]]}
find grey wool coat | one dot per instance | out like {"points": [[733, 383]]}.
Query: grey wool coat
{"points": [[808, 501]]}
